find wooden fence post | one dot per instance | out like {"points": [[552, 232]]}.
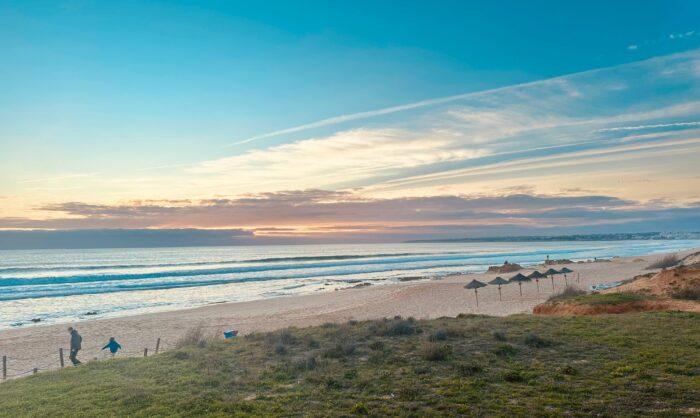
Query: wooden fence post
{"points": [[60, 356], [157, 345], [145, 352], [4, 367]]}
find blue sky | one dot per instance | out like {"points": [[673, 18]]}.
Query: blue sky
{"points": [[114, 103]]}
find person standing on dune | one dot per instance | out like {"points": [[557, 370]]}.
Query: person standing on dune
{"points": [[75, 345]]}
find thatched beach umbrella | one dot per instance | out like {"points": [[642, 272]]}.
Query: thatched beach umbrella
{"points": [[537, 276], [475, 284], [499, 281], [564, 271], [520, 279], [551, 273]]}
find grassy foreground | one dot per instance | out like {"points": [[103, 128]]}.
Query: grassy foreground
{"points": [[620, 365]]}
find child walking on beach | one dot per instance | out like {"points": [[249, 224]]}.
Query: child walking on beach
{"points": [[113, 346]]}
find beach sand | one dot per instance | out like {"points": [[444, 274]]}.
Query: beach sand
{"points": [[38, 346]]}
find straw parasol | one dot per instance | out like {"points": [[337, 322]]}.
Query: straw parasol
{"points": [[551, 273], [499, 281], [564, 271], [475, 284], [537, 276], [520, 278]]}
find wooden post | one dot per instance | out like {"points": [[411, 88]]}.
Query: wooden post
{"points": [[578, 277], [60, 356], [145, 352], [35, 370], [4, 367], [499, 293], [538, 285], [476, 295], [521, 288], [157, 345], [565, 280], [552, 277]]}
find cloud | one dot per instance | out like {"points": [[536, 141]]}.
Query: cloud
{"points": [[322, 212]]}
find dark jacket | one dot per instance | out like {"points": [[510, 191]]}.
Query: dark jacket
{"points": [[75, 340], [113, 346]]}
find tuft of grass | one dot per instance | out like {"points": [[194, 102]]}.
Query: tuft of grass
{"points": [[569, 292], [436, 352], [535, 341], [664, 263], [439, 335], [499, 335], [195, 336]]}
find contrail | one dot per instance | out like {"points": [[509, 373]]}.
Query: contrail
{"points": [[660, 125], [424, 103]]}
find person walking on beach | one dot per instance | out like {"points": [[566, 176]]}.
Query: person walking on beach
{"points": [[75, 345], [113, 346]]}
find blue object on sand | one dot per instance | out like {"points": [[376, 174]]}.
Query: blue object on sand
{"points": [[230, 334]]}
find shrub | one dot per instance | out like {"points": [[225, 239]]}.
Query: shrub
{"points": [[663, 263], [688, 293], [376, 345], [513, 376], [533, 340], [505, 350], [194, 336], [280, 349], [360, 409], [314, 343], [339, 350], [439, 335], [306, 363], [569, 292], [436, 352], [499, 335], [401, 327], [468, 369]]}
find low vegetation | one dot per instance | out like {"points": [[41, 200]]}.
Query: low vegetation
{"points": [[645, 364], [664, 263], [569, 292]]}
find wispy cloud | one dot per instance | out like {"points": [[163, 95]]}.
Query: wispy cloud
{"points": [[60, 177], [655, 126]]}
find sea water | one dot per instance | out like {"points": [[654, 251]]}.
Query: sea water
{"points": [[51, 286]]}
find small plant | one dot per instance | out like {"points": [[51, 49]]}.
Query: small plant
{"points": [[306, 363], [505, 350], [376, 345], [401, 327], [360, 409], [194, 336], [499, 335], [439, 335], [280, 349], [535, 341], [313, 343], [664, 263], [688, 293], [436, 352], [513, 376], [339, 350], [466, 369], [569, 292]]}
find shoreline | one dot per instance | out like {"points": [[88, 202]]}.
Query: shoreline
{"points": [[38, 346]]}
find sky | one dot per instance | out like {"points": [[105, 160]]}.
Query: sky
{"points": [[355, 121]]}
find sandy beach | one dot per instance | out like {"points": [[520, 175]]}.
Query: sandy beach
{"points": [[38, 346]]}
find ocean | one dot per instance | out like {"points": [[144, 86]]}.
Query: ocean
{"points": [[58, 286]]}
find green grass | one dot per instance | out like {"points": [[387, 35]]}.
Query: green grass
{"points": [[610, 298], [621, 365]]}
